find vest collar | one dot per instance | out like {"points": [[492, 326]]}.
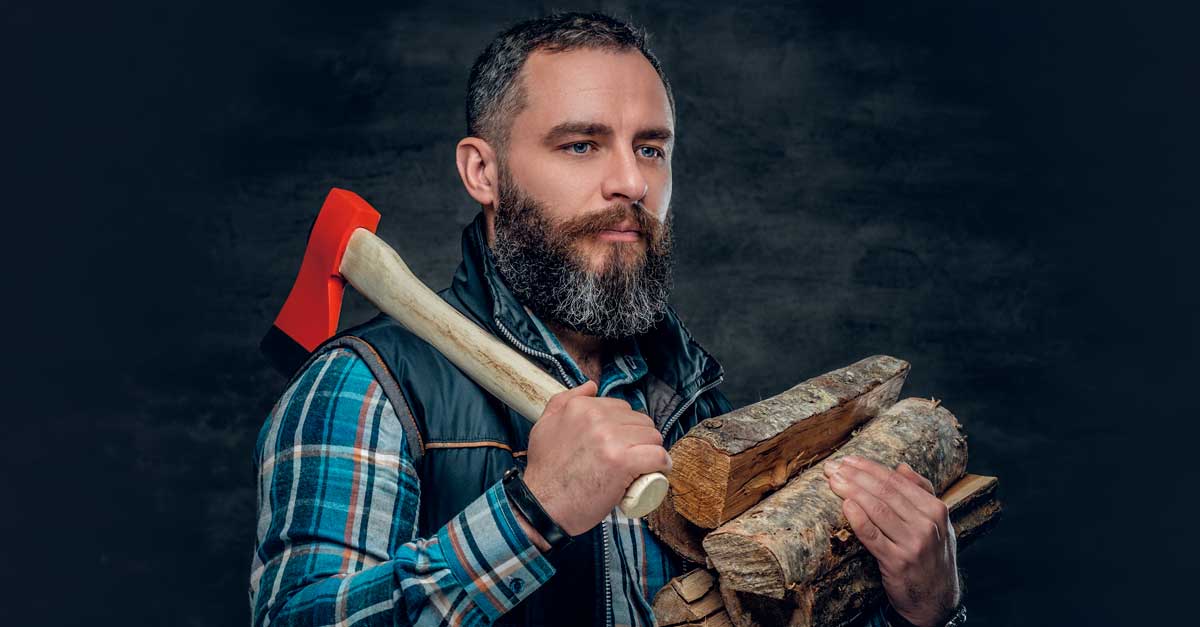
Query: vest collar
{"points": [[672, 355]]}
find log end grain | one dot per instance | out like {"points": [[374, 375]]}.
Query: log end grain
{"points": [[747, 560], [689, 599], [694, 462]]}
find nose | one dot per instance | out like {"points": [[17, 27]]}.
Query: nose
{"points": [[624, 179]]}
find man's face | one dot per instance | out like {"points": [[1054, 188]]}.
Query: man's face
{"points": [[582, 232]]}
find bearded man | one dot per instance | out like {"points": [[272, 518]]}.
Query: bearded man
{"points": [[393, 490]]}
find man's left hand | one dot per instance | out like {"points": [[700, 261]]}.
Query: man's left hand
{"points": [[900, 520]]}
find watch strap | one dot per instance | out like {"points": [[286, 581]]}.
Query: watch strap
{"points": [[525, 502], [959, 617]]}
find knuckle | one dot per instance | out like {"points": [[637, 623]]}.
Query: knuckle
{"points": [[880, 509], [906, 556], [594, 432], [889, 485], [610, 455]]}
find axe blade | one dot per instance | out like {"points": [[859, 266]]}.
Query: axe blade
{"points": [[310, 314]]}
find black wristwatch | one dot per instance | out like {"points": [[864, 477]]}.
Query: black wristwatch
{"points": [[896, 620], [526, 503]]}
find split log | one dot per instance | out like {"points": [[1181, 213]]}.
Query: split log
{"points": [[690, 599], [787, 539], [726, 464], [677, 532], [842, 595]]}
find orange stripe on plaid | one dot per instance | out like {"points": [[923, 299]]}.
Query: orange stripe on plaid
{"points": [[484, 586], [352, 510]]}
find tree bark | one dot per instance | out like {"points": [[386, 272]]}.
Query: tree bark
{"points": [[788, 540], [842, 595], [726, 464]]}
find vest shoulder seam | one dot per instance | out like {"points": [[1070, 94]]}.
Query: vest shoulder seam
{"points": [[391, 388]]}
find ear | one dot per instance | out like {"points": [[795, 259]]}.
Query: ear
{"points": [[479, 171]]}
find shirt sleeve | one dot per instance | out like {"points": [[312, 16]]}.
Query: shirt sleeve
{"points": [[337, 508]]}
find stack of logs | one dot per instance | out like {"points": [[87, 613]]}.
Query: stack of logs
{"points": [[751, 507]]}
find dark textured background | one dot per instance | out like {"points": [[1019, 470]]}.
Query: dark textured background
{"points": [[998, 192]]}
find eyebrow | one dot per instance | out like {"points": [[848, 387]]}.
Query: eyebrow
{"points": [[592, 129]]}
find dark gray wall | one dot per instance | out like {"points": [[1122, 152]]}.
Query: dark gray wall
{"points": [[994, 191]]}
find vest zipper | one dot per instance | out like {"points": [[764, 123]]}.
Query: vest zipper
{"points": [[682, 408], [608, 613], [536, 353]]}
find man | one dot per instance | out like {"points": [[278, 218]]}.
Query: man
{"points": [[393, 490]]}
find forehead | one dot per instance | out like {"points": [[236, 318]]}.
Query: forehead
{"points": [[619, 88]]}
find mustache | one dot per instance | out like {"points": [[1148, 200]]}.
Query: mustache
{"points": [[609, 218]]}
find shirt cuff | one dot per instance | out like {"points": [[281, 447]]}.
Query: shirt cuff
{"points": [[492, 557]]}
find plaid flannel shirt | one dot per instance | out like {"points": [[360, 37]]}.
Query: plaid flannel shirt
{"points": [[337, 510]]}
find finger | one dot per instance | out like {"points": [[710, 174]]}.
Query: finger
{"points": [[909, 500], [879, 511], [885, 485], [638, 435], [915, 477], [933, 507], [867, 532], [647, 458], [626, 417], [558, 401]]}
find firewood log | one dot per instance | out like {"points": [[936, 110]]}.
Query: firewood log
{"points": [[842, 595], [677, 532], [726, 464], [787, 540], [688, 599]]}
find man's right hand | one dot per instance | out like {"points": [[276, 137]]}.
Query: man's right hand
{"points": [[584, 452]]}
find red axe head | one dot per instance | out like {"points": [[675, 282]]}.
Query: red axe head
{"points": [[310, 313]]}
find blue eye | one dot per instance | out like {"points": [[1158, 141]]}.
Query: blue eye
{"points": [[572, 148], [654, 152]]}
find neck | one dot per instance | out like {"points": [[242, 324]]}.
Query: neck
{"points": [[587, 350]]}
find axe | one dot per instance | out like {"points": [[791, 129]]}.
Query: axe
{"points": [[343, 247]]}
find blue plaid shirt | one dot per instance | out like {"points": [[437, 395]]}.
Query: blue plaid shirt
{"points": [[338, 496]]}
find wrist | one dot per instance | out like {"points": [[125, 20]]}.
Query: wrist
{"points": [[531, 515]]}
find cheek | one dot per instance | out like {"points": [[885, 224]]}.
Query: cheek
{"points": [[661, 202], [566, 192]]}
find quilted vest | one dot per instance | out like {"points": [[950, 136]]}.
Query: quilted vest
{"points": [[463, 439]]}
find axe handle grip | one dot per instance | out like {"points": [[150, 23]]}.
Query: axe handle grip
{"points": [[380, 275]]}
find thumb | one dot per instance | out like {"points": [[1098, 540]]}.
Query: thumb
{"points": [[556, 402]]}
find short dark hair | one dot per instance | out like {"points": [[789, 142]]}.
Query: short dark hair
{"points": [[495, 96]]}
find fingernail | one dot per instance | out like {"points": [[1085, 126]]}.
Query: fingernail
{"points": [[832, 465]]}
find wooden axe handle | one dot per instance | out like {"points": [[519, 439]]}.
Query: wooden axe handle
{"points": [[380, 275]]}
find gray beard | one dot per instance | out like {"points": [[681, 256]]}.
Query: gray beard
{"points": [[537, 260]]}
